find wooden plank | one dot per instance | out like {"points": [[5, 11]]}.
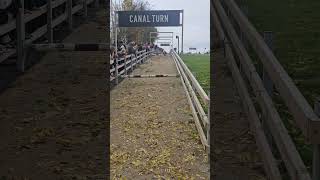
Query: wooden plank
{"points": [[302, 112], [40, 31], [194, 113], [57, 3], [49, 22], [77, 8], [286, 147], [116, 72], [122, 72], [5, 28], [90, 1], [35, 35], [268, 84], [20, 39], [70, 47], [316, 148], [125, 66], [131, 64], [69, 14], [269, 162], [195, 99], [59, 20], [151, 75], [96, 3], [120, 66], [129, 61], [35, 13], [5, 55], [195, 83], [85, 9]]}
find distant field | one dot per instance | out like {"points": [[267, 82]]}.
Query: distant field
{"points": [[199, 65], [297, 42]]}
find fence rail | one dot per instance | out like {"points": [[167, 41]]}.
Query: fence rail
{"points": [[120, 67], [234, 29], [22, 19], [193, 90]]}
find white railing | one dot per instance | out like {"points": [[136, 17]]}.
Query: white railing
{"points": [[196, 97], [123, 66]]}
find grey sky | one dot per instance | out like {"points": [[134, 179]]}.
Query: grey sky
{"points": [[196, 21]]}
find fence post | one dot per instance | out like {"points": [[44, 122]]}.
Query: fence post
{"points": [[96, 3], [142, 55], [138, 60], [208, 127], [49, 22], [145, 56], [69, 13], [316, 148], [125, 65], [116, 71], [20, 37], [85, 9], [268, 84], [268, 37], [131, 64]]}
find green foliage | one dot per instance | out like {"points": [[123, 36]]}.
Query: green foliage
{"points": [[297, 38], [297, 42]]}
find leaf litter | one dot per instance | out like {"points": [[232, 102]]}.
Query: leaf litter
{"points": [[151, 133]]}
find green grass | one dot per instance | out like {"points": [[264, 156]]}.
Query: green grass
{"points": [[297, 42], [199, 65], [297, 38]]}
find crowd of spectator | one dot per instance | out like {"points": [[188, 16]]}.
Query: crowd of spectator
{"points": [[132, 48]]}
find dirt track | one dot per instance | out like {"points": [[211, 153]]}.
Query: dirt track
{"points": [[235, 154], [53, 117], [152, 130]]}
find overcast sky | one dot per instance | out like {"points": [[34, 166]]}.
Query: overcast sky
{"points": [[196, 21]]}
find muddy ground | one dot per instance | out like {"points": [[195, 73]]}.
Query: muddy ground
{"points": [[234, 153], [153, 134], [53, 118]]}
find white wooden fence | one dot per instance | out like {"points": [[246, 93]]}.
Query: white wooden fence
{"points": [[22, 19], [197, 98], [122, 66]]}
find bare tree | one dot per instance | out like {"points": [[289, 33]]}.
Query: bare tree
{"points": [[140, 35]]}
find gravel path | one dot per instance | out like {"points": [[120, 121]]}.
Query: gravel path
{"points": [[153, 134]]}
